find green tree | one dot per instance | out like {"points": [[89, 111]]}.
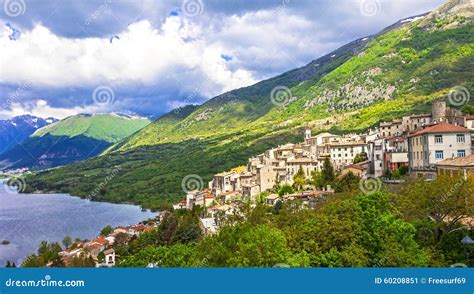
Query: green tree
{"points": [[67, 241], [178, 255], [299, 179], [361, 157], [107, 230], [245, 245], [349, 182], [285, 189], [328, 172], [447, 201]]}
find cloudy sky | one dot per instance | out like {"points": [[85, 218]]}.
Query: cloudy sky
{"points": [[60, 58]]}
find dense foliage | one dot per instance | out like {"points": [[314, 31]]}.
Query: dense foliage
{"points": [[347, 230]]}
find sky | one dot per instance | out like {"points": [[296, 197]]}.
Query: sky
{"points": [[60, 58]]}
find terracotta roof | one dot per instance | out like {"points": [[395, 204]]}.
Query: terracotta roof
{"points": [[360, 166], [441, 128], [138, 227], [396, 138], [109, 251], [458, 161]]}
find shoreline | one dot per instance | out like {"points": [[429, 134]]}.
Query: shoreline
{"points": [[146, 209]]}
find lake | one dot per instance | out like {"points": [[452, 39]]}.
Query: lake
{"points": [[27, 219]]}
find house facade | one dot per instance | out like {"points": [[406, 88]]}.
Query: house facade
{"points": [[434, 144]]}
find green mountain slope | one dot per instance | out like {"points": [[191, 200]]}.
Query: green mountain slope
{"points": [[105, 127], [72, 139], [394, 73]]}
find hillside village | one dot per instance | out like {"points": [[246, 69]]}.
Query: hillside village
{"points": [[421, 145]]}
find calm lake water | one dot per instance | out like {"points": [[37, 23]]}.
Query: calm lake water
{"points": [[27, 219]]}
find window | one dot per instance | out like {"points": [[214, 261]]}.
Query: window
{"points": [[439, 154], [461, 153], [438, 139], [460, 138]]}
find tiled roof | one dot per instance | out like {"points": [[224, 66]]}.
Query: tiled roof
{"points": [[109, 251], [458, 161], [441, 128]]}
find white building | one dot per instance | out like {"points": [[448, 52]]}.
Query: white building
{"points": [[375, 154], [432, 144], [343, 153]]}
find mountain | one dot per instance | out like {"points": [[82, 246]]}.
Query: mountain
{"points": [[17, 129], [390, 74], [72, 139]]}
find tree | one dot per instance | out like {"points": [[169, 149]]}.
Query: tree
{"points": [[82, 261], [67, 241], [361, 157], [446, 201], [245, 245], [328, 172], [107, 230], [317, 179], [8, 264], [468, 109], [299, 179], [177, 255], [285, 189], [349, 182]]}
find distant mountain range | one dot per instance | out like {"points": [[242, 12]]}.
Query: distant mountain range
{"points": [[71, 139], [396, 72], [15, 130]]}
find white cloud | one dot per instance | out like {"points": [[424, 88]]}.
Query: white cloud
{"points": [[159, 60], [143, 55], [41, 108]]}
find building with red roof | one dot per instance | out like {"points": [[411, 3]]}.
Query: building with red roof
{"points": [[434, 143]]}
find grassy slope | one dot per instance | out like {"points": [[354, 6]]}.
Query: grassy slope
{"points": [[75, 138], [422, 64], [106, 127]]}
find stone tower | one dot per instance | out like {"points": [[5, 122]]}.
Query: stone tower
{"points": [[438, 110]]}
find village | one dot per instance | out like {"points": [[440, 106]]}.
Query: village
{"points": [[421, 145], [100, 250]]}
